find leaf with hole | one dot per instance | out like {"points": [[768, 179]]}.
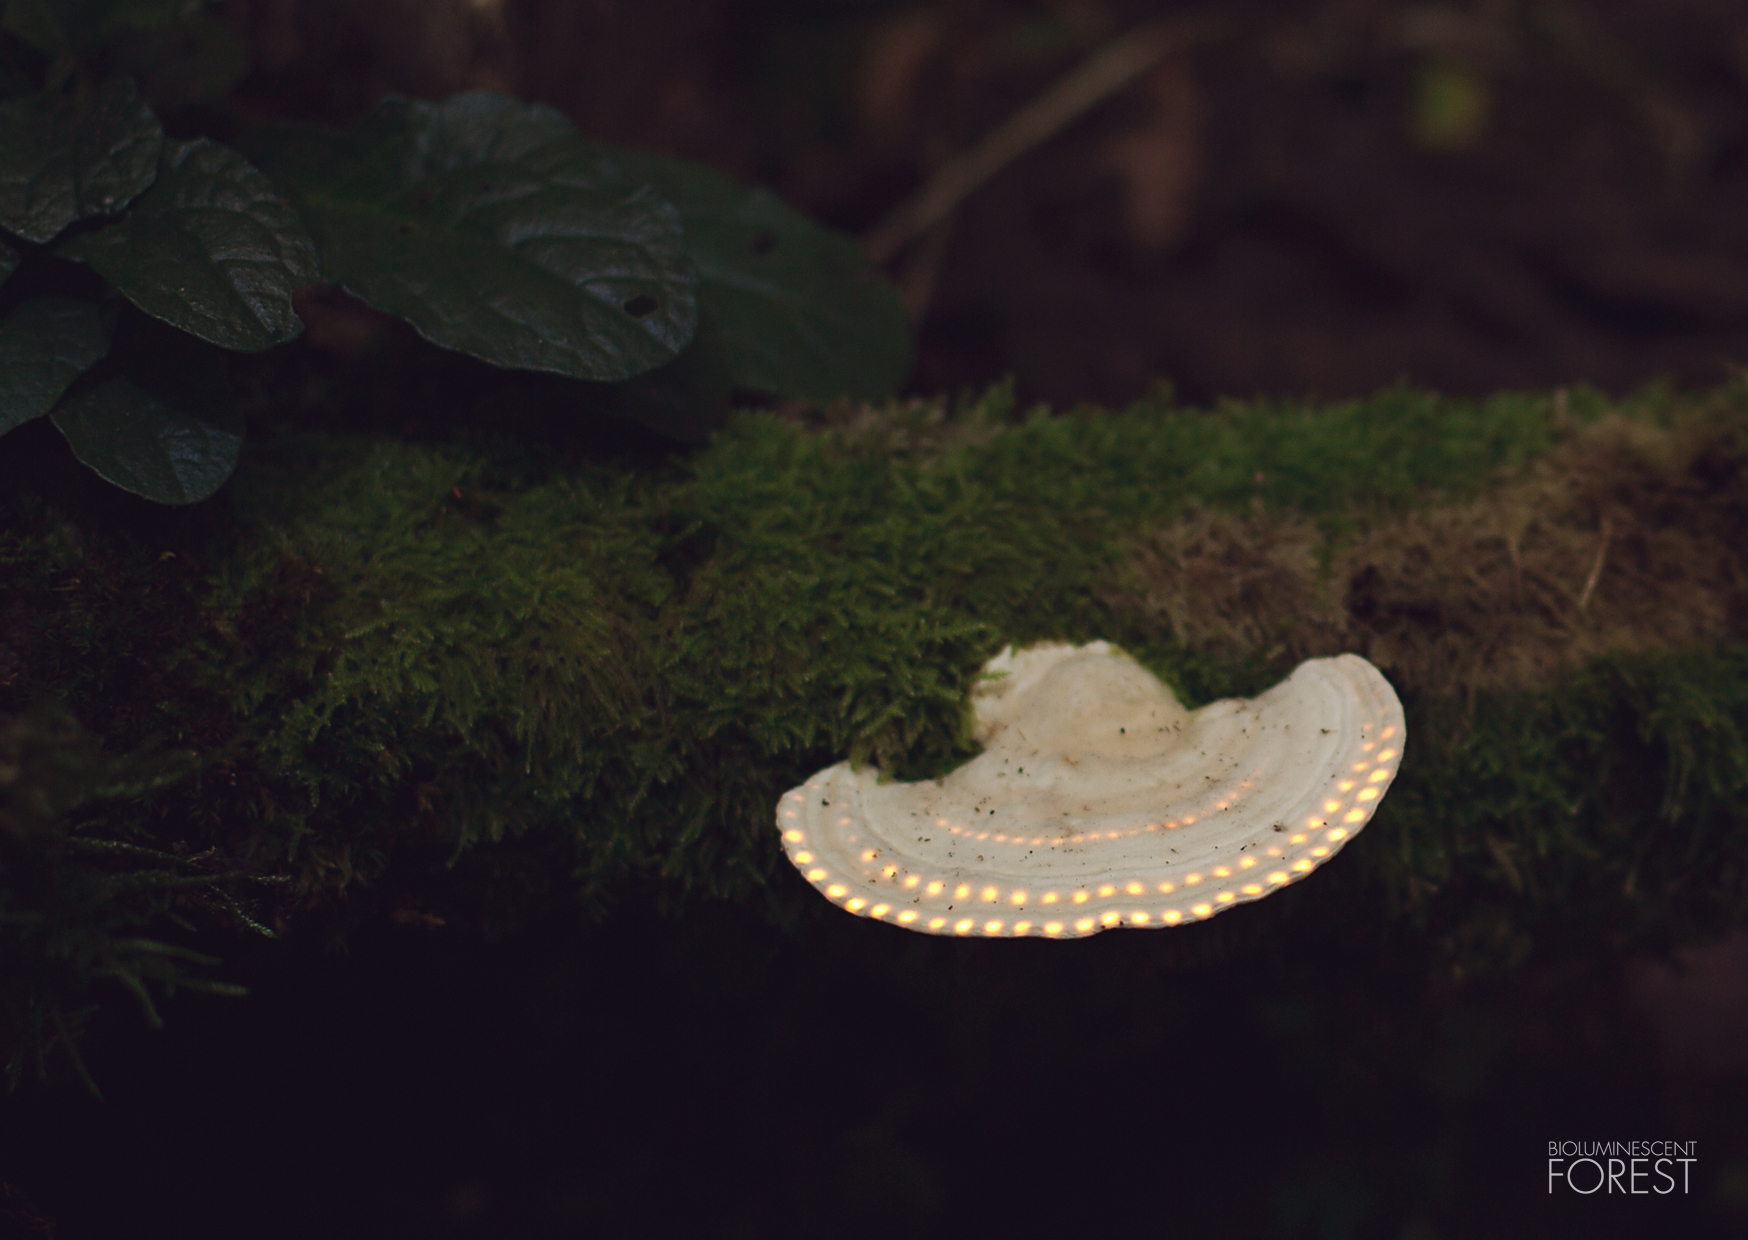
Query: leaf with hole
{"points": [[45, 344], [494, 230], [800, 310], [165, 428], [211, 248], [65, 158]]}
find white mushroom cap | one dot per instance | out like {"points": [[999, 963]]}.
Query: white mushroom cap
{"points": [[1099, 801]]}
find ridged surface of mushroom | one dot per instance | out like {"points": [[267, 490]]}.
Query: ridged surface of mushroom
{"points": [[1099, 801]]}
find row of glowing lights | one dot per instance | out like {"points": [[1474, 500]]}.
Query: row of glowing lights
{"points": [[1000, 838], [1085, 925]]}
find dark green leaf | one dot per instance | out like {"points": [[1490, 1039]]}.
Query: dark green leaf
{"points": [[802, 312], [685, 400], [45, 344], [64, 158], [72, 27], [211, 248], [489, 226], [195, 62], [166, 428]]}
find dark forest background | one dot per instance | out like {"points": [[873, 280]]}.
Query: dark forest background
{"points": [[1316, 200]]}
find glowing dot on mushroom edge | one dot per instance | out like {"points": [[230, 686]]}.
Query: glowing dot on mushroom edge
{"points": [[1340, 833], [1107, 890], [837, 891], [794, 837], [1244, 863], [1302, 865], [1019, 897], [1378, 776], [1386, 734], [1345, 785], [1331, 806], [1386, 755], [1279, 876], [1320, 851], [880, 910], [1111, 918], [1049, 897], [1021, 928], [1085, 924], [935, 923], [1053, 927], [1366, 794], [1354, 815], [964, 927], [1165, 889], [1203, 910], [1140, 919], [1171, 917], [992, 927], [856, 905], [1135, 889], [1221, 871], [907, 916], [934, 888], [1225, 897], [961, 891], [1080, 897], [803, 858], [991, 895], [813, 876], [1251, 889]]}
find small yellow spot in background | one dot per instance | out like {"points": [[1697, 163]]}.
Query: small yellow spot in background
{"points": [[1192, 879], [1344, 785], [1331, 806], [1298, 839], [934, 889], [1171, 917], [1359, 766], [869, 855], [1302, 865], [1320, 851], [1111, 918], [803, 858], [1136, 889], [965, 927], [1140, 919], [990, 895], [1244, 863], [1279, 876], [1049, 897], [1203, 910], [856, 905], [880, 910], [1366, 794], [992, 927], [1221, 871], [1378, 777], [1385, 735], [1019, 897], [1354, 815], [837, 891], [935, 923], [1080, 897], [1340, 833], [1022, 927], [1167, 888], [890, 871], [961, 891], [1251, 889], [1107, 890], [1052, 927], [907, 917], [1225, 897], [1084, 924], [794, 837], [814, 876], [1386, 755], [912, 880]]}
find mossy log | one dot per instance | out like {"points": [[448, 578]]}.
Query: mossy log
{"points": [[478, 681]]}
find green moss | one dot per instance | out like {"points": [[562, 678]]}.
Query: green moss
{"points": [[474, 678]]}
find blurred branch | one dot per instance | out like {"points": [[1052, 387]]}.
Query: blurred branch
{"points": [[1102, 75]]}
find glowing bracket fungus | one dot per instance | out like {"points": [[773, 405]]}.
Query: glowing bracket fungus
{"points": [[1099, 801]]}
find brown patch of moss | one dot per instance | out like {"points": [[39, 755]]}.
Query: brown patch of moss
{"points": [[1629, 537]]}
